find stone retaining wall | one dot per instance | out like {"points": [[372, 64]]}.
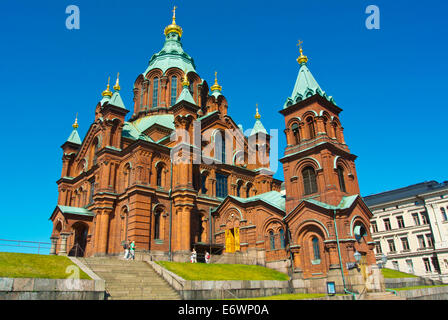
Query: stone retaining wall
{"points": [[408, 282], [51, 289], [204, 290], [434, 293]]}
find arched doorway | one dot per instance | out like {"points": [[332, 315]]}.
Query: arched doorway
{"points": [[80, 239]]}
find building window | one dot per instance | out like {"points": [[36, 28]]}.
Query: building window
{"points": [[421, 242], [400, 221], [92, 191], [443, 212], [410, 265], [238, 189], [391, 245], [173, 90], [221, 185], [395, 265], [272, 240], [378, 247], [157, 225], [296, 133], [405, 243], [424, 217], [309, 180], [155, 93], [159, 176], [341, 179], [387, 224], [374, 226], [282, 239], [203, 184], [311, 130], [427, 264], [416, 219], [316, 249], [430, 240], [248, 187], [220, 146], [435, 264]]}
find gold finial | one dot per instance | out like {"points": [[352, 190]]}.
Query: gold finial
{"points": [[185, 81], [75, 125], [257, 115], [173, 27], [107, 92], [117, 84], [216, 86], [174, 15], [302, 59]]}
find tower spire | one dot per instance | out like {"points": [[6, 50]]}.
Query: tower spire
{"points": [[75, 125], [302, 58], [216, 86], [173, 27], [117, 84], [107, 92], [257, 115]]}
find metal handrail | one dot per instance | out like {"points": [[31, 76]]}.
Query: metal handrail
{"points": [[40, 244]]}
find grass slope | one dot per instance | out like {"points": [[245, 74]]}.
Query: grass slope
{"points": [[390, 273], [202, 271], [290, 296], [419, 287], [24, 265]]}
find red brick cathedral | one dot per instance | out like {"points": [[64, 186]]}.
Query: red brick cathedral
{"points": [[123, 183]]}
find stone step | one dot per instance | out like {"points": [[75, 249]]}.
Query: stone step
{"points": [[129, 280]]}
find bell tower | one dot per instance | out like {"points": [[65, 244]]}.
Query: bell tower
{"points": [[317, 163]]}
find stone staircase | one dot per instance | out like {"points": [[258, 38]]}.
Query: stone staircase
{"points": [[381, 296], [130, 280]]}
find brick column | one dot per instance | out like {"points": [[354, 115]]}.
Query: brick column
{"points": [[104, 233], [63, 247], [54, 241]]}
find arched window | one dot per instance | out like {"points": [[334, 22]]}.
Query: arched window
{"points": [[127, 173], [316, 250], [443, 212], [238, 188], [155, 93], [326, 125], [173, 90], [335, 131], [157, 224], [92, 190], [159, 176], [282, 238], [309, 180], [341, 179], [248, 187], [311, 131], [296, 133], [272, 239], [221, 185], [220, 146], [204, 183]]}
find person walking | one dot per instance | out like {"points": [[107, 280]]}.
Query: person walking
{"points": [[193, 258], [126, 250], [207, 257], [132, 249]]}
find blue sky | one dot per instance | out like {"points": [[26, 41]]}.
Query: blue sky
{"points": [[391, 83]]}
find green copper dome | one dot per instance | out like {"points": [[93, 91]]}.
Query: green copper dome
{"points": [[172, 55]]}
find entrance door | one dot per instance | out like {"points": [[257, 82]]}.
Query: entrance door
{"points": [[232, 240], [80, 240]]}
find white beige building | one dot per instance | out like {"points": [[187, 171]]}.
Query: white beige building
{"points": [[410, 226]]}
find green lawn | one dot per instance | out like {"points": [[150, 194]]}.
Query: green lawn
{"points": [[202, 271], [419, 287], [24, 265], [390, 273]]}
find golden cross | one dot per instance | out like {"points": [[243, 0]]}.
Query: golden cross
{"points": [[174, 13], [299, 44]]}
